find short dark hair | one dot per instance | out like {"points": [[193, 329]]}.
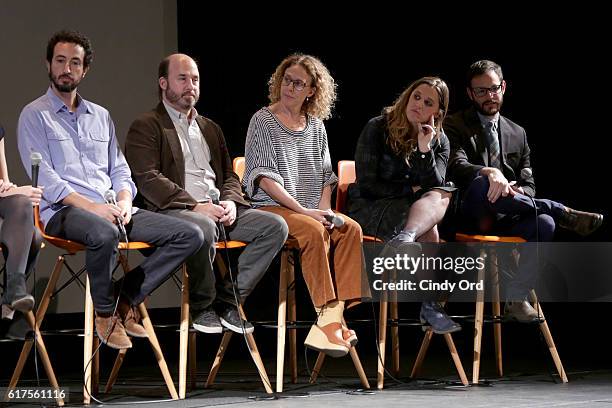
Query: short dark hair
{"points": [[162, 72], [482, 67], [72, 37]]}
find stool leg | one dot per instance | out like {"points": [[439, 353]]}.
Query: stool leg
{"points": [[292, 317], [218, 358], [549, 339], [497, 328], [382, 341], [95, 375], [193, 371], [40, 316], [42, 350], [395, 335], [184, 333], [478, 320], [258, 363], [453, 351], [146, 322], [115, 371], [88, 343], [418, 362], [282, 320], [357, 363], [317, 368]]}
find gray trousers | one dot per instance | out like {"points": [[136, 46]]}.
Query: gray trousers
{"points": [[265, 234]]}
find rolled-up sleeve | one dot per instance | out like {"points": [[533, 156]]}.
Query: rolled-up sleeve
{"points": [[31, 137], [120, 174], [260, 157]]}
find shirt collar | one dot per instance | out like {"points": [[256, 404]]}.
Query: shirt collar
{"points": [[177, 116], [488, 119], [58, 105]]}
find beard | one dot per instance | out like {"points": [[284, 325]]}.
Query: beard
{"points": [[176, 99], [69, 87], [491, 108]]}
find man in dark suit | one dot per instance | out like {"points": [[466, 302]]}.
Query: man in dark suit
{"points": [[177, 157], [490, 162]]}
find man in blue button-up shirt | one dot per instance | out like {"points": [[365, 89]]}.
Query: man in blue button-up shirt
{"points": [[81, 161]]}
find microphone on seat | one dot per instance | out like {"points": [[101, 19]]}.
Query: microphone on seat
{"points": [[35, 159], [335, 219], [111, 198]]}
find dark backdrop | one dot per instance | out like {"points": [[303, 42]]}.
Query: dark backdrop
{"points": [[555, 84]]}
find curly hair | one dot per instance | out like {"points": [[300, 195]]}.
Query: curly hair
{"points": [[71, 37], [321, 103], [402, 133]]}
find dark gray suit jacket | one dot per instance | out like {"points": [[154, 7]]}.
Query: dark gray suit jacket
{"points": [[469, 150]]}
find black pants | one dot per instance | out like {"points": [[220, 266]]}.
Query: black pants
{"points": [[21, 243], [174, 241]]}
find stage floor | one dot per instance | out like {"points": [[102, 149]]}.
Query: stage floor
{"points": [[137, 386]]}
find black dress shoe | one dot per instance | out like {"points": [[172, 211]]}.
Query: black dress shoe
{"points": [[581, 222], [434, 315]]}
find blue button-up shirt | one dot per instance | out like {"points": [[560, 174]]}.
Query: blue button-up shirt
{"points": [[79, 151]]}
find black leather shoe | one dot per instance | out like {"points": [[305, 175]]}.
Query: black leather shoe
{"points": [[581, 222], [433, 314]]}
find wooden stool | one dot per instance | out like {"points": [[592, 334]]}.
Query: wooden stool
{"points": [[90, 341], [479, 314]]}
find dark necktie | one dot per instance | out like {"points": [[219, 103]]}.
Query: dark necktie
{"points": [[493, 145]]}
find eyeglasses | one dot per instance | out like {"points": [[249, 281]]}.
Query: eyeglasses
{"points": [[298, 84], [495, 89]]}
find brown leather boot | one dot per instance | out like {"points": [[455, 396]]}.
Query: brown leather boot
{"points": [[130, 317], [581, 222], [112, 333]]}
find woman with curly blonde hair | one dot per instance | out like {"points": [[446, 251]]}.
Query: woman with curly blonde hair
{"points": [[289, 172], [400, 194]]}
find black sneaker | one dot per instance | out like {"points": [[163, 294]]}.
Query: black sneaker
{"points": [[207, 321], [230, 318]]}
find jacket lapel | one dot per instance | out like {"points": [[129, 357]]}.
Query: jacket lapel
{"points": [[172, 138], [478, 138]]}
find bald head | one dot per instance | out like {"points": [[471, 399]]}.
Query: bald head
{"points": [[179, 82]]}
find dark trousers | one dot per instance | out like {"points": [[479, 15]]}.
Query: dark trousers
{"points": [[21, 243], [174, 241], [265, 234], [513, 216]]}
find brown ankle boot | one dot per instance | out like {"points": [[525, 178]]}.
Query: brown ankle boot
{"points": [[130, 317], [112, 333], [581, 222]]}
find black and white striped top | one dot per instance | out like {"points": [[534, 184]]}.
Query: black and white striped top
{"points": [[297, 160]]}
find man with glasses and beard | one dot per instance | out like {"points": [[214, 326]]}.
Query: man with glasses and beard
{"points": [[177, 157], [81, 164], [490, 163]]}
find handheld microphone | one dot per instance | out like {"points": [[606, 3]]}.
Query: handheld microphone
{"points": [[335, 219], [214, 195], [111, 198], [526, 173], [35, 159]]}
